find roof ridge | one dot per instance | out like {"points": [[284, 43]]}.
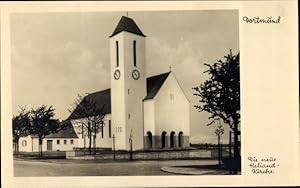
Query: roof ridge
{"points": [[154, 83], [99, 91], [159, 74]]}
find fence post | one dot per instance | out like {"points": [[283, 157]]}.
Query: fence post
{"points": [[114, 149], [221, 151], [230, 144]]}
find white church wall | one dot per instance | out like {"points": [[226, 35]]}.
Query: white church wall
{"points": [[77, 126], [171, 109], [118, 91], [126, 92], [149, 117], [135, 90], [104, 140], [83, 140]]}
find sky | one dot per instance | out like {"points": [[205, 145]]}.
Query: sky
{"points": [[56, 56]]}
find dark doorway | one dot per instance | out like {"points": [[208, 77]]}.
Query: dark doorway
{"points": [[49, 145], [172, 139], [180, 139], [149, 139], [163, 139]]}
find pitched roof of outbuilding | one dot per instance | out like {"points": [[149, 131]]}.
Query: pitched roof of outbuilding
{"points": [[154, 84], [66, 132], [127, 24]]}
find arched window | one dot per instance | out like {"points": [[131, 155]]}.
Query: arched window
{"points": [[149, 139], [117, 53], [134, 53], [180, 139], [172, 137], [163, 139]]}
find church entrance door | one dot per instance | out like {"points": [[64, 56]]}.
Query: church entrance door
{"points": [[172, 139], [180, 139], [149, 139]]}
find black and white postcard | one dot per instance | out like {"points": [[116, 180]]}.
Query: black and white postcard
{"points": [[149, 94]]}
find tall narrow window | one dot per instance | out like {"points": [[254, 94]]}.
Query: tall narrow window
{"points": [[172, 96], [109, 128], [117, 53], [134, 53], [24, 143], [163, 139]]}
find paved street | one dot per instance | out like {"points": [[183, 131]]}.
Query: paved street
{"points": [[97, 168]]}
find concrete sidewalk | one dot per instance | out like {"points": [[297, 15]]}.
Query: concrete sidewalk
{"points": [[195, 170]]}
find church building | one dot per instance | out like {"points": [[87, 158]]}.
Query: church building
{"points": [[143, 112]]}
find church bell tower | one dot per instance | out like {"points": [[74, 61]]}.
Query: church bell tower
{"points": [[128, 84]]}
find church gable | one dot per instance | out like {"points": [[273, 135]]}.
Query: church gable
{"points": [[154, 84], [171, 101], [157, 83]]}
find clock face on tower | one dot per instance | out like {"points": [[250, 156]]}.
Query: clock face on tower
{"points": [[117, 74], [135, 74]]}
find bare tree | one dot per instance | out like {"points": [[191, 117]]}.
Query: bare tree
{"points": [[90, 116], [20, 127]]}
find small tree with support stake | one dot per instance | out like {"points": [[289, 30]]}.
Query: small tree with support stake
{"points": [[130, 142], [219, 131], [114, 146], [90, 117]]}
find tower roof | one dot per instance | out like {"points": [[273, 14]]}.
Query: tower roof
{"points": [[127, 24]]}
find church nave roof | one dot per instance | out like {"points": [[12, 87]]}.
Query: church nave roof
{"points": [[103, 98]]}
